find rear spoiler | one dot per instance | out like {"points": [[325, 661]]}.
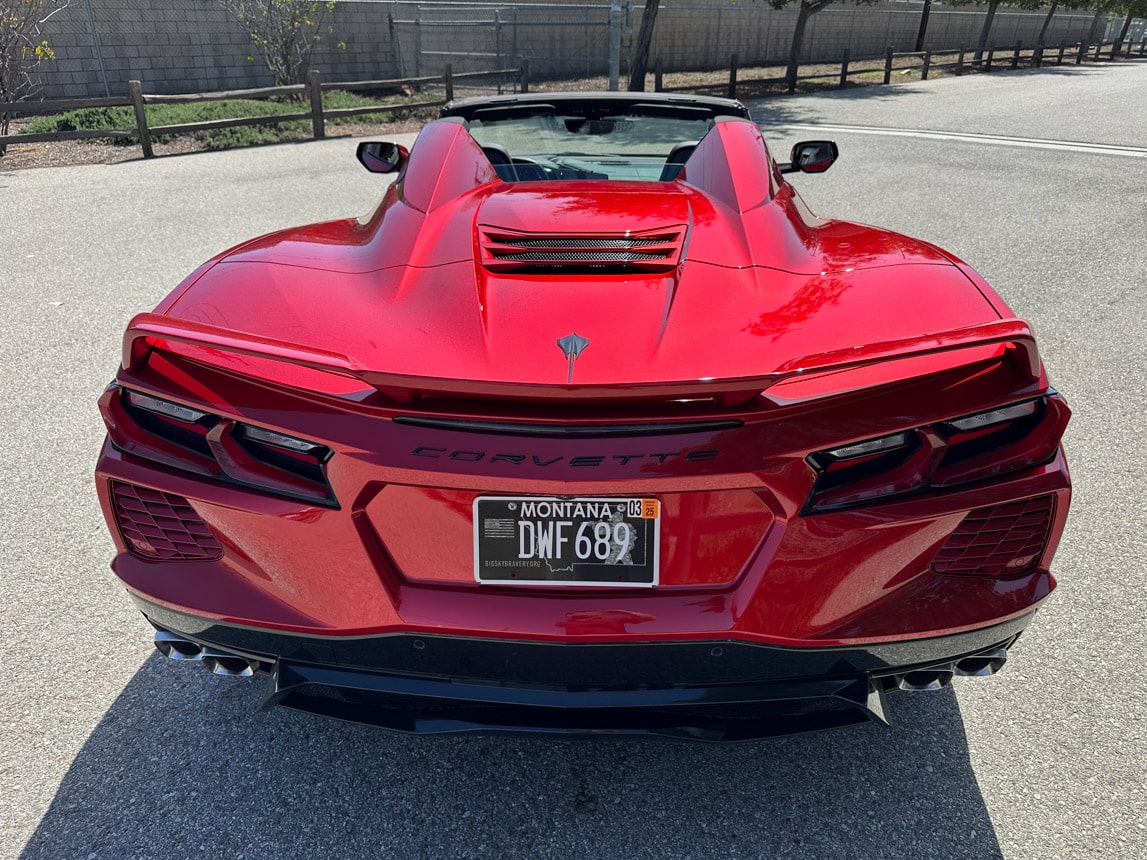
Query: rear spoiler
{"points": [[151, 331]]}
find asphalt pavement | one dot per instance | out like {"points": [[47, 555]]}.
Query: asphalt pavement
{"points": [[108, 751]]}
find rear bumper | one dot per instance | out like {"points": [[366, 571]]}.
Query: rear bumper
{"points": [[716, 690]]}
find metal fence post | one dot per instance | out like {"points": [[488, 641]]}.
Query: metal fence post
{"points": [[448, 81], [1037, 57], [733, 76], [524, 87], [1080, 53], [888, 65], [136, 90], [315, 90], [960, 62], [97, 48], [844, 71], [658, 76], [418, 46], [1059, 59], [988, 64], [614, 43], [927, 63], [1016, 55], [498, 38]]}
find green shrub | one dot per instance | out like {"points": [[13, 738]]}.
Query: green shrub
{"points": [[215, 138]]}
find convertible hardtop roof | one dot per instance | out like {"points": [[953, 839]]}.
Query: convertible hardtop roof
{"points": [[595, 103]]}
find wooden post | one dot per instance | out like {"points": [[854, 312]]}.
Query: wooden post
{"points": [[1037, 57], [448, 81], [888, 65], [1059, 59], [988, 63], [658, 76], [136, 90], [315, 90], [1098, 48], [524, 86], [1016, 55], [733, 76], [843, 72], [960, 63], [1079, 54], [927, 63]]}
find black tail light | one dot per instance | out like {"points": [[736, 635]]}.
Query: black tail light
{"points": [[195, 440], [959, 451]]}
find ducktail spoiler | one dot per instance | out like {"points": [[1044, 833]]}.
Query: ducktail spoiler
{"points": [[151, 331]]}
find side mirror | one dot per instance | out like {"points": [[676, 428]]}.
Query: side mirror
{"points": [[381, 157], [811, 156]]}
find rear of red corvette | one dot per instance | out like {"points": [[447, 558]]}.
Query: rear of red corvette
{"points": [[534, 534]]}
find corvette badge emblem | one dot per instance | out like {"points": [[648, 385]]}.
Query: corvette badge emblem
{"points": [[572, 345]]}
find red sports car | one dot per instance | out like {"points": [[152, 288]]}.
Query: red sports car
{"points": [[591, 426]]}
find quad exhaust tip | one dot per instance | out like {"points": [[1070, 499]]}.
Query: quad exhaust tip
{"points": [[175, 647], [983, 665], [925, 679], [939, 677]]}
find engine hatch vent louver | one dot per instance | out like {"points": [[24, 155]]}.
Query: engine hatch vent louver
{"points": [[543, 253]]}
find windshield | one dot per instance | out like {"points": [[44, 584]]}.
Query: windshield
{"points": [[562, 145]]}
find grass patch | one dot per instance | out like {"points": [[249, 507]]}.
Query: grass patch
{"points": [[95, 119]]}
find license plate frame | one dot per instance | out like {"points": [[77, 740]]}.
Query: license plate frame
{"points": [[632, 561]]}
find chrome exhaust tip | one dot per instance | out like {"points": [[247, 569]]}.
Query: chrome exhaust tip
{"points": [[176, 647], [983, 665], [232, 665], [925, 680]]}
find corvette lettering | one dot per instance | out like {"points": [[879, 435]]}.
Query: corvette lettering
{"points": [[464, 456]]}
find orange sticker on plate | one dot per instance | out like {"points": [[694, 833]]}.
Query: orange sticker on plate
{"points": [[650, 508]]}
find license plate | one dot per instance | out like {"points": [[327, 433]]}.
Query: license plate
{"points": [[552, 541]]}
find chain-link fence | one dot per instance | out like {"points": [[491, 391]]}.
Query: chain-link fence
{"points": [[195, 46]]}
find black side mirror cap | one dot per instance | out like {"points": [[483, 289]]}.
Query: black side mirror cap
{"points": [[811, 156], [381, 157]]}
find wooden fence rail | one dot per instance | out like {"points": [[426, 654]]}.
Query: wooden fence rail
{"points": [[312, 91], [1014, 56], [310, 97]]}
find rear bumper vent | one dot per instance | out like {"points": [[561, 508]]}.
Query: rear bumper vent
{"points": [[539, 253], [160, 526], [1003, 540]]}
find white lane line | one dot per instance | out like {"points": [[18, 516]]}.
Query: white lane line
{"points": [[991, 139]]}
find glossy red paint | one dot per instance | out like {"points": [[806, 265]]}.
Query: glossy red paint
{"points": [[796, 335]]}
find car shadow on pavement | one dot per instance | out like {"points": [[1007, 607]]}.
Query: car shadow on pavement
{"points": [[183, 765]]}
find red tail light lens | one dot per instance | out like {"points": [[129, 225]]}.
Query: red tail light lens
{"points": [[971, 448]]}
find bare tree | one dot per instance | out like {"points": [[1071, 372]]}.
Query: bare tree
{"points": [[284, 32], [990, 17], [22, 49], [1047, 22], [1132, 9], [807, 9], [640, 63]]}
